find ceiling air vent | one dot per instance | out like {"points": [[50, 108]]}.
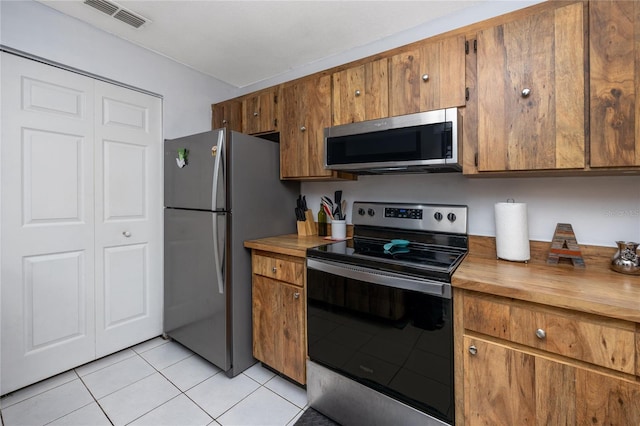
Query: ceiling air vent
{"points": [[118, 12]]}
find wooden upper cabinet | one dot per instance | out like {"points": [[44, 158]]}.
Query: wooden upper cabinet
{"points": [[431, 76], [306, 111], [614, 56], [361, 93], [227, 114], [531, 92], [260, 112]]}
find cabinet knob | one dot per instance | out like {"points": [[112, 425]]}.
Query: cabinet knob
{"points": [[224, 121], [296, 295], [425, 77], [473, 350], [526, 92], [541, 334], [126, 234], [255, 114], [274, 269], [357, 93], [303, 129]]}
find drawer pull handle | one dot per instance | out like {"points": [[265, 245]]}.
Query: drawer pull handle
{"points": [[541, 334], [473, 350], [274, 269], [296, 295]]}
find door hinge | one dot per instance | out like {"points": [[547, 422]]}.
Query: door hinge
{"points": [[466, 93], [275, 99], [475, 45], [466, 47], [475, 159], [275, 122]]}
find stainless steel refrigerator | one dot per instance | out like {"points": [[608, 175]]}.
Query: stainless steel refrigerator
{"points": [[220, 189]]}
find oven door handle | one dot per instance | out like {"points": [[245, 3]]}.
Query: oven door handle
{"points": [[389, 279]]}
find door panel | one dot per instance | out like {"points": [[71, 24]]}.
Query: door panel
{"points": [[126, 285], [47, 222], [128, 217], [51, 281]]}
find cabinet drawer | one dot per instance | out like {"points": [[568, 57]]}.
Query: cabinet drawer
{"points": [[599, 341], [288, 269]]}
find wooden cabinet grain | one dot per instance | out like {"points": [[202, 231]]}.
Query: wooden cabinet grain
{"points": [[430, 76], [529, 364], [361, 93], [531, 92], [306, 111], [279, 313], [227, 114], [260, 112], [614, 65]]}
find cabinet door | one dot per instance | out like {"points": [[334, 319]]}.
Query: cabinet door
{"points": [[259, 113], [361, 93], [227, 114], [265, 320], [306, 112], [428, 77], [606, 400], [279, 326], [614, 56], [292, 343], [499, 384], [530, 82]]}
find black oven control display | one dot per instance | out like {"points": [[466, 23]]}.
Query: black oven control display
{"points": [[403, 213]]}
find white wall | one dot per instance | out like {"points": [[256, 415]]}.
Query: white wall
{"points": [[600, 209], [187, 94]]}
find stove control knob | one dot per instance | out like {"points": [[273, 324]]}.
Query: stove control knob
{"points": [[361, 211], [451, 217], [437, 216], [371, 212]]}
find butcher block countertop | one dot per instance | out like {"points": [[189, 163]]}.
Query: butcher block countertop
{"points": [[594, 289], [291, 244]]}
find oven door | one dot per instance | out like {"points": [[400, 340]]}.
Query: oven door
{"points": [[391, 333]]}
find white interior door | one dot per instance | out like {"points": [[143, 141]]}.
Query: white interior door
{"points": [[128, 217], [47, 217], [81, 220]]}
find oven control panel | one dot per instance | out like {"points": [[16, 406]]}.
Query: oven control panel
{"points": [[403, 213], [423, 217]]}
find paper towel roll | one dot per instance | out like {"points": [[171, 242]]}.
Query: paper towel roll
{"points": [[512, 231]]}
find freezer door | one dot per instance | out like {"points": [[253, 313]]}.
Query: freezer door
{"points": [[195, 171], [195, 298]]}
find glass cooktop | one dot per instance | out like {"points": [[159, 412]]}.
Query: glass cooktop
{"points": [[417, 259]]}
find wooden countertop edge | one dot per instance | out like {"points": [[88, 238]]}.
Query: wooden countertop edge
{"points": [[591, 290], [290, 244]]}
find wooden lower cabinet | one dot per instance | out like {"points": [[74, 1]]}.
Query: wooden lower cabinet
{"points": [[507, 383], [279, 314]]}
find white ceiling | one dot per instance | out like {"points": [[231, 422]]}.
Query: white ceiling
{"points": [[245, 42]]}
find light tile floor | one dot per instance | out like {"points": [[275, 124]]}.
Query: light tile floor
{"points": [[155, 383]]}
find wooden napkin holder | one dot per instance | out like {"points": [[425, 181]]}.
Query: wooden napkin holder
{"points": [[307, 227]]}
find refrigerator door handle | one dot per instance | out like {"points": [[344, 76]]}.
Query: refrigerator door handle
{"points": [[216, 255], [217, 172], [218, 168]]}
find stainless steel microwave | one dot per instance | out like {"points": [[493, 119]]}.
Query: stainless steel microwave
{"points": [[415, 143]]}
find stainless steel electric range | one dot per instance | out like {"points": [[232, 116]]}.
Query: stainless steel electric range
{"points": [[380, 313]]}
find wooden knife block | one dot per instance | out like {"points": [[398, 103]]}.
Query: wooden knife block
{"points": [[307, 227]]}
